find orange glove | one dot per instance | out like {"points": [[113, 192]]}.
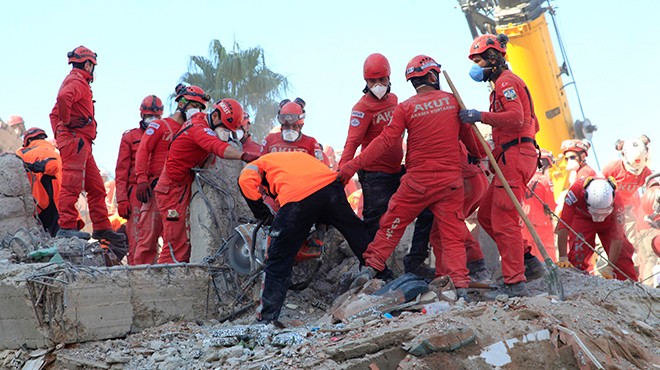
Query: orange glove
{"points": [[124, 209], [564, 263], [607, 272]]}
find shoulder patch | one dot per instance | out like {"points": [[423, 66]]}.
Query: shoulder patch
{"points": [[570, 198], [318, 153], [510, 93], [357, 113], [149, 131], [263, 142], [154, 125], [355, 122], [210, 132]]}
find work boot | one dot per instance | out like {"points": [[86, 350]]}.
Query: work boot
{"points": [[510, 290], [364, 276], [479, 273], [534, 268], [72, 233], [109, 235], [463, 293], [422, 271]]}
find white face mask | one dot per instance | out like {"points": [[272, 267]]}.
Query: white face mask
{"points": [[240, 134], [93, 76], [191, 111], [599, 215], [572, 165], [223, 133], [149, 119], [379, 90], [290, 135]]}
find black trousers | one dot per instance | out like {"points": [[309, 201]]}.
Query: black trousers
{"points": [[377, 189], [290, 229]]}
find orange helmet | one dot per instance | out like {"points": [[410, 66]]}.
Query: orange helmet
{"points": [[376, 66], [420, 65], [151, 106], [15, 120], [231, 113], [81, 54], [33, 133], [192, 93], [575, 145], [488, 41], [292, 113]]}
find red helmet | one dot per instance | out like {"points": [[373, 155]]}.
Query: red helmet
{"points": [[33, 133], [376, 66], [15, 120], [575, 145], [151, 106], [81, 54], [292, 113], [231, 113], [488, 41], [546, 154], [420, 65], [193, 93]]}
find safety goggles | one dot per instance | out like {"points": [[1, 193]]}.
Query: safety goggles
{"points": [[571, 157], [290, 118], [422, 67]]}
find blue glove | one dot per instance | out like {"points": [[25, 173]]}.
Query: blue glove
{"points": [[470, 115]]}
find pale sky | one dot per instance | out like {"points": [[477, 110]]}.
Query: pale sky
{"points": [[144, 48]]}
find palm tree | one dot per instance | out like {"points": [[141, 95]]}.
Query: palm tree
{"points": [[241, 75]]}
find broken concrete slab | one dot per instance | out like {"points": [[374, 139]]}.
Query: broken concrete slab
{"points": [[17, 205], [448, 341], [45, 304]]}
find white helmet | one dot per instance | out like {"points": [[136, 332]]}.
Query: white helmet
{"points": [[599, 194], [635, 155]]}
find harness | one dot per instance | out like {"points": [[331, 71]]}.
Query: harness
{"points": [[506, 146]]}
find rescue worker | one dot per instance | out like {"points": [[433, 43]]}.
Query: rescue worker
{"points": [[380, 179], [72, 121], [189, 148], [514, 124], [541, 185], [291, 116], [575, 153], [244, 135], [44, 168], [308, 193], [648, 226], [593, 207], [475, 184], [432, 179], [17, 125], [149, 162], [128, 205]]}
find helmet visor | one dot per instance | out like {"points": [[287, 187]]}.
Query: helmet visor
{"points": [[290, 118]]}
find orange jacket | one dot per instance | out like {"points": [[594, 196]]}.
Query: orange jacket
{"points": [[46, 162], [289, 176]]}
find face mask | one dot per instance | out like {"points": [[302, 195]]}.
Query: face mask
{"points": [[290, 135], [572, 165], [599, 215], [223, 133], [378, 90], [477, 73], [145, 122], [240, 134]]}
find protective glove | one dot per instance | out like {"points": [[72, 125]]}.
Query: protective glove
{"points": [[607, 272], [248, 157], [38, 166], [143, 192], [267, 220], [469, 115], [564, 263], [124, 209], [346, 172]]}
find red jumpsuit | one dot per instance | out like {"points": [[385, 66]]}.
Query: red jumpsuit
{"points": [[125, 183], [249, 146], [368, 118], [306, 144], [626, 182], [585, 171], [150, 160], [432, 179], [541, 185], [514, 128], [189, 148], [576, 215], [74, 106]]}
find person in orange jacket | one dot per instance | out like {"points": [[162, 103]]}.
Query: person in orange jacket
{"points": [[515, 125], [541, 185], [149, 162], [189, 148], [432, 180], [44, 170], [380, 179], [593, 207], [72, 120], [128, 205], [308, 193], [575, 154], [244, 135]]}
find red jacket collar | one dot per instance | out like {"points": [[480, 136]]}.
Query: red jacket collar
{"points": [[83, 73]]}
